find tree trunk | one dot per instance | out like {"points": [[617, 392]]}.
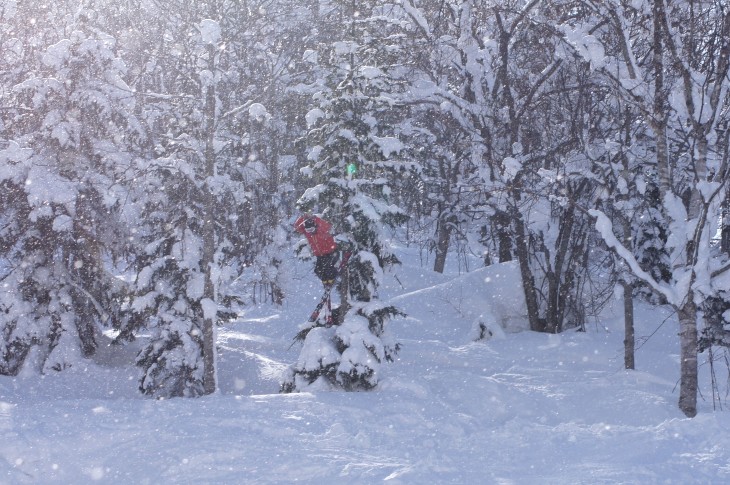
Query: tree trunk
{"points": [[343, 288], [528, 281], [443, 237], [688, 353], [659, 123], [629, 338], [725, 234], [558, 282], [501, 222], [209, 322], [629, 334], [208, 237]]}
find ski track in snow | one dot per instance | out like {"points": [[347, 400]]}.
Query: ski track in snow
{"points": [[523, 408]]}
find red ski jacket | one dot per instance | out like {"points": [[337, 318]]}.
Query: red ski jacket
{"points": [[321, 241]]}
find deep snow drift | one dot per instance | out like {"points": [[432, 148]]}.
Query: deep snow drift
{"points": [[520, 408]]}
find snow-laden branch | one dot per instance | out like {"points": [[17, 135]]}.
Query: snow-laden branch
{"points": [[103, 314], [545, 75], [417, 17], [237, 110], [522, 14], [605, 228]]}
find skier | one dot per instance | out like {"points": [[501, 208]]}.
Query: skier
{"points": [[324, 247], [327, 268]]}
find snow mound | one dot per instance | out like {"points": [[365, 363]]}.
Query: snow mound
{"points": [[491, 296]]}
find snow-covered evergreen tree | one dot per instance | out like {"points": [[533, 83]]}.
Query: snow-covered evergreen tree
{"points": [[212, 196], [277, 73], [353, 151], [60, 202], [185, 238]]}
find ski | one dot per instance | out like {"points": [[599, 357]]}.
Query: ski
{"points": [[325, 298], [328, 292]]}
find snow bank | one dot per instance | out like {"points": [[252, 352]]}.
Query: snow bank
{"points": [[491, 295]]}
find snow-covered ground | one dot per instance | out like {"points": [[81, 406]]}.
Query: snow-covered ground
{"points": [[521, 408]]}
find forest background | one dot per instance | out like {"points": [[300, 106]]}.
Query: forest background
{"points": [[153, 155]]}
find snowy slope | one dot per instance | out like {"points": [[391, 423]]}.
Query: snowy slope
{"points": [[521, 408]]}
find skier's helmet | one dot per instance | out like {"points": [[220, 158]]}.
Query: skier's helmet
{"points": [[309, 225]]}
